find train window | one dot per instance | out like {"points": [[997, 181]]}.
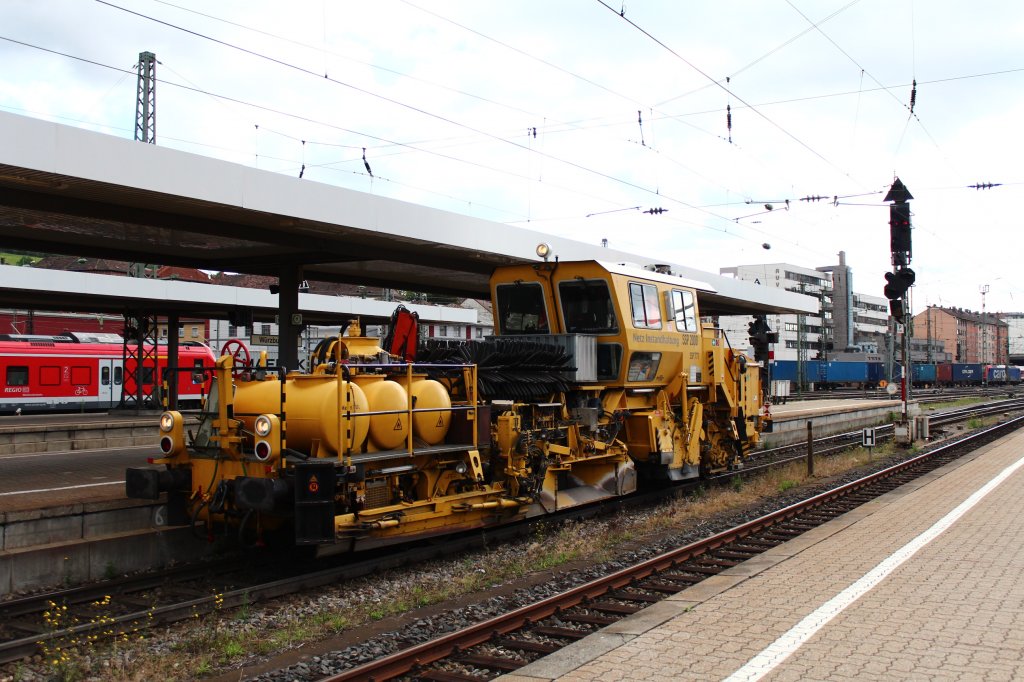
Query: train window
{"points": [[105, 376], [684, 311], [609, 359], [197, 372], [643, 366], [643, 300], [17, 375], [49, 376], [118, 375], [147, 376], [521, 308], [587, 307], [81, 376]]}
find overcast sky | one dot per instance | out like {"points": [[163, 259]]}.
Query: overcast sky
{"points": [[575, 117]]}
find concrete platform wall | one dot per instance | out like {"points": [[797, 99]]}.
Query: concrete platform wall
{"points": [[59, 438], [791, 426]]}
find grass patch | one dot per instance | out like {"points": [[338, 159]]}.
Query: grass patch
{"points": [[959, 402]]}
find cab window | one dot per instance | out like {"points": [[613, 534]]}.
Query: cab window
{"points": [[587, 307], [643, 300], [684, 311], [643, 366], [521, 308], [609, 359]]}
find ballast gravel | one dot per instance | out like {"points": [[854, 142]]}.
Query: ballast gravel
{"points": [[260, 619]]}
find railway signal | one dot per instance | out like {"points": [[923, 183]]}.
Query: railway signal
{"points": [[899, 223], [761, 336], [902, 277]]}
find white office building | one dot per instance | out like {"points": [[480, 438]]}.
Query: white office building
{"points": [[845, 322]]}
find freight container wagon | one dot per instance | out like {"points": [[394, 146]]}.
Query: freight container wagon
{"points": [[788, 370], [876, 372], [944, 374], [1002, 374], [924, 375], [967, 373]]}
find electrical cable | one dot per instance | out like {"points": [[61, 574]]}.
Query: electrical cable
{"points": [[439, 117], [713, 81]]}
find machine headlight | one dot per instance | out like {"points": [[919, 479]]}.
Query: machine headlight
{"points": [[543, 250], [263, 450], [166, 422], [263, 426]]}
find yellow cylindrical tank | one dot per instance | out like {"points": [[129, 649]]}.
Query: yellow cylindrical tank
{"points": [[311, 410], [387, 431], [427, 394]]}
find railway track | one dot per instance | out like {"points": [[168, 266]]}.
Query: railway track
{"points": [[508, 642], [922, 395], [132, 604], [828, 445]]}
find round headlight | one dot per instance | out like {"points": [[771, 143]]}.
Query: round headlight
{"points": [[262, 450], [263, 426], [166, 422], [543, 250]]}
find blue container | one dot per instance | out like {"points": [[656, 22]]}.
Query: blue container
{"points": [[847, 373], [1002, 374], [786, 370], [783, 370], [876, 372], [815, 371], [967, 373], [923, 374]]}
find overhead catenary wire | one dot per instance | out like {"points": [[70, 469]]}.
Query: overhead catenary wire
{"points": [[306, 119], [462, 27], [391, 100], [728, 90], [354, 159]]}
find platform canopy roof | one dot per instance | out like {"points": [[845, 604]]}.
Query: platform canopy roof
{"points": [[71, 191]]}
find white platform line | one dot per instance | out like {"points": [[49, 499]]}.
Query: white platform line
{"points": [[779, 650], [53, 490]]}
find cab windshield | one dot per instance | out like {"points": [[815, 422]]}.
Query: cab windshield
{"points": [[587, 307], [521, 308]]}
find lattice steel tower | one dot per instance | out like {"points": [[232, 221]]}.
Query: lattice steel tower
{"points": [[145, 102]]}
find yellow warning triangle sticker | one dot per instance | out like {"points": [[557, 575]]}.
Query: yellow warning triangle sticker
{"points": [[440, 420], [398, 424]]}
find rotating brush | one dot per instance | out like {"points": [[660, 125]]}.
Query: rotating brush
{"points": [[507, 368]]}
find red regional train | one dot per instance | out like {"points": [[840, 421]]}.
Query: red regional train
{"points": [[85, 371]]}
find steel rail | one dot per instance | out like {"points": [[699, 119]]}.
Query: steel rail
{"points": [[15, 649], [403, 662]]}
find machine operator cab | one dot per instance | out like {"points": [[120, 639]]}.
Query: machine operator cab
{"points": [[645, 324]]}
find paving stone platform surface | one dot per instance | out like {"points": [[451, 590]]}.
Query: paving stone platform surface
{"points": [[908, 586]]}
